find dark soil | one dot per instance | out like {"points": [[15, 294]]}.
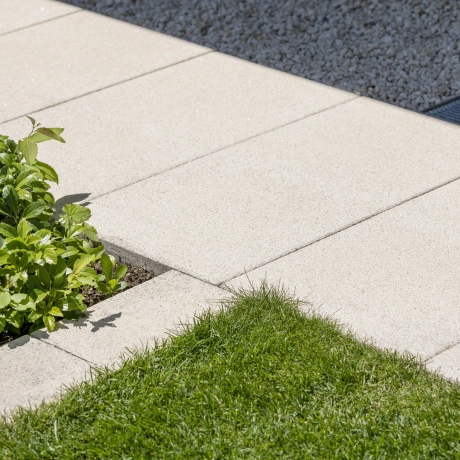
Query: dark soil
{"points": [[134, 276]]}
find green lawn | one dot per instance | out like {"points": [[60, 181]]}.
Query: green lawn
{"points": [[257, 380]]}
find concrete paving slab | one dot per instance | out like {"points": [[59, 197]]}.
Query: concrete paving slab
{"points": [[33, 371], [129, 132], [393, 278], [89, 52], [256, 201], [17, 14], [447, 363], [135, 318]]}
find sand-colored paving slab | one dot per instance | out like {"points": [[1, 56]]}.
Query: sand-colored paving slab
{"points": [[244, 206], [129, 132], [447, 363], [136, 318], [33, 371], [17, 14], [62, 59], [393, 278]]}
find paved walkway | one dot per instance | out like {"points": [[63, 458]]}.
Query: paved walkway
{"points": [[218, 172]]}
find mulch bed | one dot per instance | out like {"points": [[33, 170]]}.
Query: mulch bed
{"points": [[134, 277]]}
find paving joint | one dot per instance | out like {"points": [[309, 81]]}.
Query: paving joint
{"points": [[353, 224], [193, 160], [40, 23], [62, 349], [443, 350], [157, 268], [133, 258], [106, 87], [156, 304]]}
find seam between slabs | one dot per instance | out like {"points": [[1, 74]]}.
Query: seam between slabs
{"points": [[441, 352], [107, 87], [39, 23], [64, 350], [220, 149], [346, 227]]}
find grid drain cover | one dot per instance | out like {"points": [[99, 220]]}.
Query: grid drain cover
{"points": [[448, 111]]}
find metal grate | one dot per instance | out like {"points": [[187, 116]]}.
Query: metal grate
{"points": [[447, 111]]}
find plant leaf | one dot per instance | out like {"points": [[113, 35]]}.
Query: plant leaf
{"points": [[23, 229], [44, 276], [107, 266], [76, 212], [29, 148], [91, 233], [83, 261], [7, 158], [102, 287], [112, 284], [55, 312], [120, 271], [5, 210], [51, 134], [8, 230], [49, 255], [49, 322], [24, 178], [32, 120], [33, 210], [11, 198], [47, 171], [5, 299], [122, 285], [39, 137]]}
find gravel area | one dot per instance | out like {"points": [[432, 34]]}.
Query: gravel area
{"points": [[403, 52]]}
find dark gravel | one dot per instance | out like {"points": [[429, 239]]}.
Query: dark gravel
{"points": [[402, 52]]}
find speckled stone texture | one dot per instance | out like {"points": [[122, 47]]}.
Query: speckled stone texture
{"points": [[148, 125], [33, 371], [392, 279], [256, 201], [90, 52], [16, 15]]}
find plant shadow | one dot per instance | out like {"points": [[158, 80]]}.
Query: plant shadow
{"points": [[84, 321], [70, 199]]}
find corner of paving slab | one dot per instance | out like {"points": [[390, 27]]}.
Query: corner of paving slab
{"points": [[123, 255], [34, 371], [447, 363], [139, 317], [37, 367]]}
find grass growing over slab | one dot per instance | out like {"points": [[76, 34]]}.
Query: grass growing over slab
{"points": [[259, 379]]}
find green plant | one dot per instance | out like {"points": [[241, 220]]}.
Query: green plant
{"points": [[113, 280], [45, 264]]}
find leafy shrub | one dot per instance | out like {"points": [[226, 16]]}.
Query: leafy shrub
{"points": [[46, 265]]}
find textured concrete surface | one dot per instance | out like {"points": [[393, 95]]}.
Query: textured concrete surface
{"points": [[393, 279], [135, 318], [403, 52], [256, 201], [89, 52], [447, 363], [17, 14], [33, 371], [126, 133]]}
